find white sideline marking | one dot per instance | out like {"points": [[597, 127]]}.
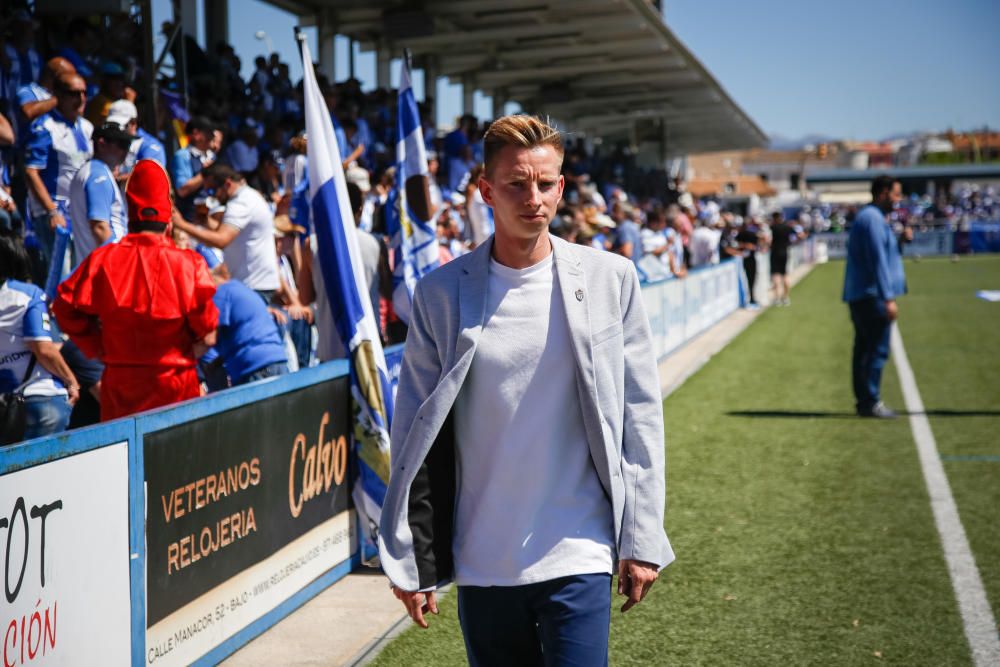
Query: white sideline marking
{"points": [[977, 615]]}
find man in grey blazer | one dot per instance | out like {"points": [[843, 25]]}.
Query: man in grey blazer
{"points": [[527, 439]]}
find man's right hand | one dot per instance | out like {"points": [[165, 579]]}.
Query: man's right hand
{"points": [[417, 604], [57, 220], [891, 310]]}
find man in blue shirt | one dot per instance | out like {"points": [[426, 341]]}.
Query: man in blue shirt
{"points": [[188, 163], [628, 238], [873, 280], [95, 203], [249, 343], [242, 154], [58, 146], [35, 99]]}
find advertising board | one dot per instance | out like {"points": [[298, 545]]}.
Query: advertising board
{"points": [[64, 537], [244, 508]]}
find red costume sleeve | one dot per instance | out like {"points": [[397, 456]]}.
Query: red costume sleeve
{"points": [[203, 318], [74, 310]]}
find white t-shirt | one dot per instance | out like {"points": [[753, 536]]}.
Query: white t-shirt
{"points": [[653, 240], [705, 246], [251, 256], [530, 504], [295, 171]]}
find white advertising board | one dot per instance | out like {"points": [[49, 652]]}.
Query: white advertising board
{"points": [[678, 310], [923, 243], [64, 537]]}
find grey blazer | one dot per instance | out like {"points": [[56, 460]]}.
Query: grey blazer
{"points": [[619, 392]]}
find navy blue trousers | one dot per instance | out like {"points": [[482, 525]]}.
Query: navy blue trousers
{"points": [[559, 622], [871, 350]]}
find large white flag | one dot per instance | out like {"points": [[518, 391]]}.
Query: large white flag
{"points": [[347, 290], [411, 217]]}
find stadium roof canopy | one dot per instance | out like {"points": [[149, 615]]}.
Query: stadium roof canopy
{"points": [[607, 67]]}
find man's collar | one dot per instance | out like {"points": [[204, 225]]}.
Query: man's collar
{"points": [[62, 119]]}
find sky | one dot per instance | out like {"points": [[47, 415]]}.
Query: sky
{"points": [[850, 69]]}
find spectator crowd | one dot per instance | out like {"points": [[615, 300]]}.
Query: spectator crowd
{"points": [[955, 211], [72, 133]]}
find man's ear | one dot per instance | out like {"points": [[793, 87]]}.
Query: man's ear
{"points": [[486, 190]]}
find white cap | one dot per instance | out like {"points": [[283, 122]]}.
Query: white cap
{"points": [[603, 220], [122, 112], [359, 176]]}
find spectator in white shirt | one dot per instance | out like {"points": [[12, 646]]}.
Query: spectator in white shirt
{"points": [[246, 235], [705, 245]]}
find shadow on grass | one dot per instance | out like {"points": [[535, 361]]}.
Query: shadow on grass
{"points": [[810, 414]]}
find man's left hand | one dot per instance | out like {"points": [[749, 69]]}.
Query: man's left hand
{"points": [[635, 578]]}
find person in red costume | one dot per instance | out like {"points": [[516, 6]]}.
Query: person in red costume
{"points": [[142, 306]]}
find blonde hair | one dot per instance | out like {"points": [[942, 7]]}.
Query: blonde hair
{"points": [[519, 130]]}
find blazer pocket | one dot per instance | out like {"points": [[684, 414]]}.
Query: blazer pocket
{"points": [[606, 334]]}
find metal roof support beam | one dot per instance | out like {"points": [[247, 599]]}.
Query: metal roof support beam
{"points": [[500, 100], [216, 23], [383, 66], [430, 80], [326, 33], [468, 94]]}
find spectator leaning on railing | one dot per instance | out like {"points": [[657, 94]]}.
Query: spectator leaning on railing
{"points": [[248, 343]]}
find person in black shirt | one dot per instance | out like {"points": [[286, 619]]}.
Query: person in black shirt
{"points": [[748, 238], [783, 235]]}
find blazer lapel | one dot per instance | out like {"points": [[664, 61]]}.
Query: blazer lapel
{"points": [[472, 299], [576, 301]]}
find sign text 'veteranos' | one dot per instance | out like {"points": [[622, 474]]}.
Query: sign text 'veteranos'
{"points": [[201, 493]]}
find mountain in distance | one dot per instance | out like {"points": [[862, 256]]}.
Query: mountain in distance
{"points": [[782, 143]]}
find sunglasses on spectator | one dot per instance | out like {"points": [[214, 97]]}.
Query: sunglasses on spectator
{"points": [[69, 92]]}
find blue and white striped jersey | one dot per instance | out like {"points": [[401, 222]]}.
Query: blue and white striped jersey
{"points": [[94, 195], [24, 317], [57, 148]]}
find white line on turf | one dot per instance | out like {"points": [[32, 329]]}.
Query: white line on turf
{"points": [[977, 616]]}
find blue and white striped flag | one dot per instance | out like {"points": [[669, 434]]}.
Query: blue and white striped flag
{"points": [[347, 290], [411, 221]]}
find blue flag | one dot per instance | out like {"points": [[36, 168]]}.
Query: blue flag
{"points": [[347, 291], [411, 220]]}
